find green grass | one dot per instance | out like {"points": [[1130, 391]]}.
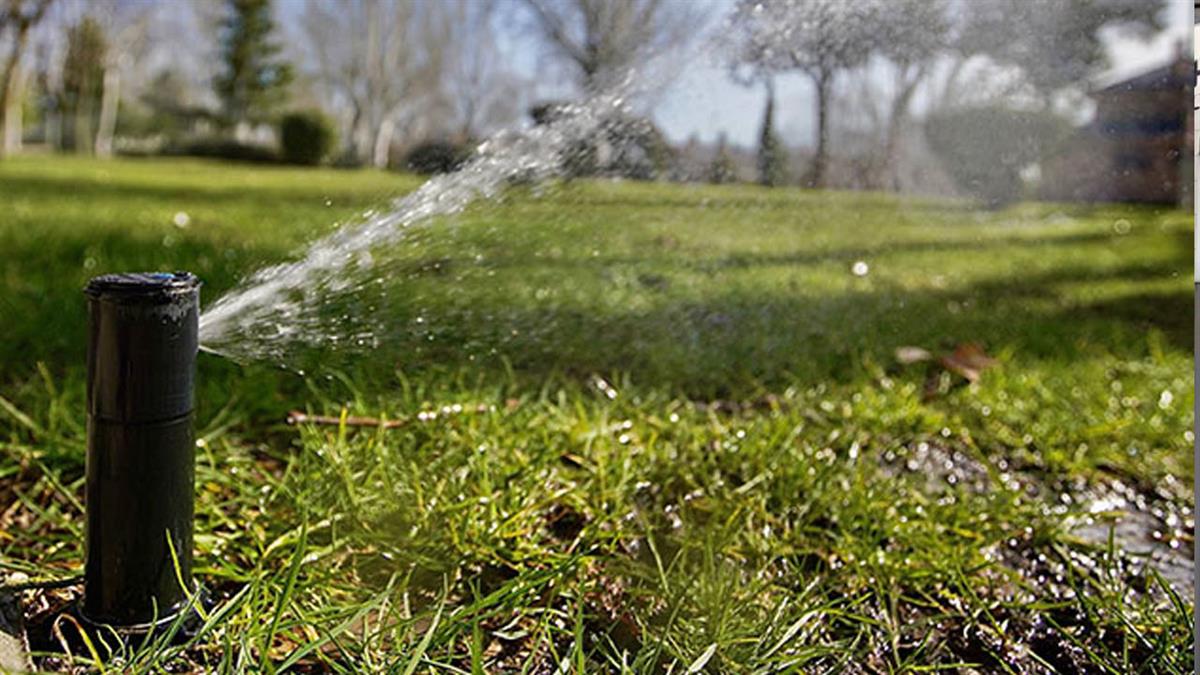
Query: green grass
{"points": [[757, 485]]}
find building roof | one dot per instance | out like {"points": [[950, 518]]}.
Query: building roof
{"points": [[1177, 74]]}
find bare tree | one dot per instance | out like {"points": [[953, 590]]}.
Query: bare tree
{"points": [[45, 60], [17, 19], [909, 35], [126, 24], [479, 90], [375, 58], [820, 38], [603, 38]]}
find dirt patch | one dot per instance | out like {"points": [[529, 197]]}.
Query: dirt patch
{"points": [[1151, 531]]}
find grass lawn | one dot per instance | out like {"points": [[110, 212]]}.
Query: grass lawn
{"points": [[644, 428]]}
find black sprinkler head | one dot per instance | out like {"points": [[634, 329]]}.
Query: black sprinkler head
{"points": [[141, 358]]}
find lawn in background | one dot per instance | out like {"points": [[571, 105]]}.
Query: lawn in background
{"points": [[643, 425]]}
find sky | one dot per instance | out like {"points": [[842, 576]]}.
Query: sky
{"points": [[703, 100]]}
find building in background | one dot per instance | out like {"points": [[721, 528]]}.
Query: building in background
{"points": [[1135, 148]]}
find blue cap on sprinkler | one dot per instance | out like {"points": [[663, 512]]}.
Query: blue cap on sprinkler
{"points": [[142, 345]]}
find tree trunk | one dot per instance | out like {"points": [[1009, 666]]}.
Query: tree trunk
{"points": [[10, 96], [896, 118], [821, 159], [950, 88], [12, 83], [83, 140], [383, 142], [354, 143], [13, 121], [110, 100], [54, 122], [56, 115]]}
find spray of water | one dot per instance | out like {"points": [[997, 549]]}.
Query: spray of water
{"points": [[286, 306]]}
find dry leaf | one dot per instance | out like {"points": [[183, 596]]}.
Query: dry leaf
{"points": [[968, 360]]}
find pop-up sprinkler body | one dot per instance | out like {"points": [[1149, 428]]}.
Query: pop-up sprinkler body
{"points": [[142, 343]]}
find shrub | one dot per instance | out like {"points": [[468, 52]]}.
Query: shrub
{"points": [[984, 149], [438, 156], [625, 145], [638, 149], [722, 169], [223, 148], [306, 137]]}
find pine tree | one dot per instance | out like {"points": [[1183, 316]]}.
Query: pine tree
{"points": [[253, 81], [772, 157]]}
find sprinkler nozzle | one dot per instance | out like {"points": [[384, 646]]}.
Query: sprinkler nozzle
{"points": [[141, 360]]}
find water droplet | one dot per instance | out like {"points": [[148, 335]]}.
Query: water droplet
{"points": [[1122, 226], [606, 388], [1165, 399], [860, 268]]}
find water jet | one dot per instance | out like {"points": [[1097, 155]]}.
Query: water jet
{"points": [[141, 364]]}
